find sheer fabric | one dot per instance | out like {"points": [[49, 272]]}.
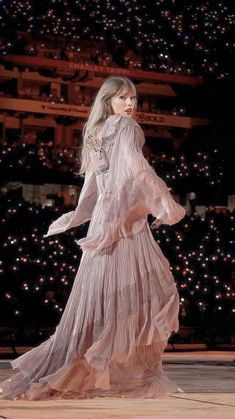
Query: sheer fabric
{"points": [[132, 190], [124, 303]]}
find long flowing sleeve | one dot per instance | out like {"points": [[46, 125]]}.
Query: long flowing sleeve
{"points": [[83, 211], [158, 199], [133, 191]]}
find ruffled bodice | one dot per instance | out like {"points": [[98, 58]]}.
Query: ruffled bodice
{"points": [[127, 192]]}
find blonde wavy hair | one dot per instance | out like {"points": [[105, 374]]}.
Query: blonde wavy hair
{"points": [[101, 109]]}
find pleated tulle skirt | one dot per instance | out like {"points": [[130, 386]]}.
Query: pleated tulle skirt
{"points": [[121, 311]]}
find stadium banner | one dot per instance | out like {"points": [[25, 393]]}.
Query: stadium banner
{"points": [[50, 108], [89, 67]]}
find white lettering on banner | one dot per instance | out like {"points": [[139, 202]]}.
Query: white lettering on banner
{"points": [[99, 68], [142, 117], [63, 109]]}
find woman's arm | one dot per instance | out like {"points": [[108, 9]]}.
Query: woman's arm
{"points": [[83, 211], [158, 199]]}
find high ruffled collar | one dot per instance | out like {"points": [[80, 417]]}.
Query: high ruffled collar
{"points": [[109, 126]]}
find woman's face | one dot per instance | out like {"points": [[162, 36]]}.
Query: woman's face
{"points": [[124, 103]]}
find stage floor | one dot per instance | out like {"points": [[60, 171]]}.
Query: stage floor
{"points": [[207, 379]]}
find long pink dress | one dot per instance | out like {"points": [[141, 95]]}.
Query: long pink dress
{"points": [[124, 303]]}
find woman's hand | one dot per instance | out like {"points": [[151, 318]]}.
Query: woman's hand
{"points": [[158, 221], [155, 224]]}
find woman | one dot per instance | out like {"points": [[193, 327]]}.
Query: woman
{"points": [[124, 303]]}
